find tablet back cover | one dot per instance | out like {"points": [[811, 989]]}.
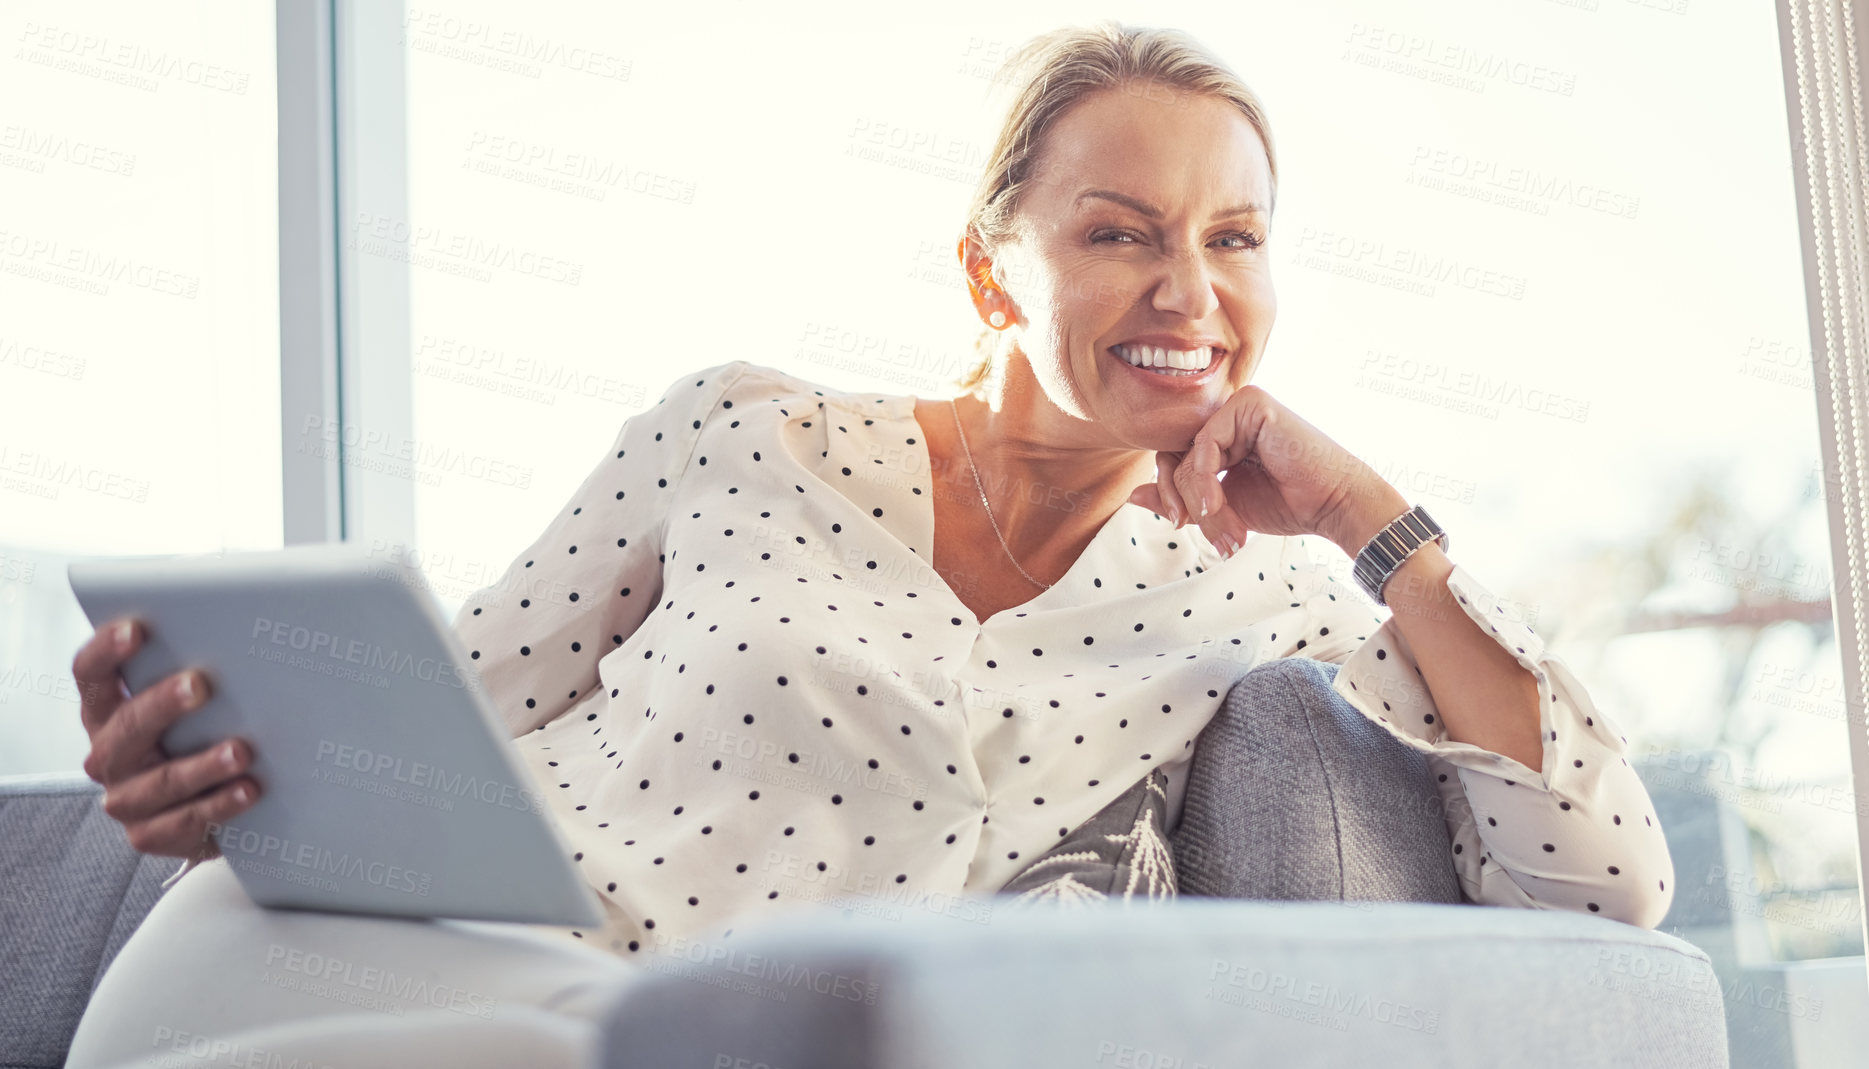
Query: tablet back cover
{"points": [[388, 783]]}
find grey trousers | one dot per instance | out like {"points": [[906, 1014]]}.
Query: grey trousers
{"points": [[1295, 794]]}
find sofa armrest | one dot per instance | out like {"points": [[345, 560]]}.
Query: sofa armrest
{"points": [[1197, 982], [73, 892]]}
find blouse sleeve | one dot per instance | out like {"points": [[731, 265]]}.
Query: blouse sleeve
{"points": [[585, 583], [1578, 833], [583, 586]]}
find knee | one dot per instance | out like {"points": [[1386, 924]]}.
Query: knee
{"points": [[1279, 707], [1288, 687], [1289, 672]]}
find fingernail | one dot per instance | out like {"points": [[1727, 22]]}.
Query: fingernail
{"points": [[187, 689], [227, 756], [243, 793], [122, 636]]}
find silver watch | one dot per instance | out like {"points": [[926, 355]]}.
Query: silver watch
{"points": [[1383, 554]]}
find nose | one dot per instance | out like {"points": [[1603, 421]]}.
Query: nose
{"points": [[1187, 286]]}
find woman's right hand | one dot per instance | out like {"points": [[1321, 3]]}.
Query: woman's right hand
{"points": [[166, 805]]}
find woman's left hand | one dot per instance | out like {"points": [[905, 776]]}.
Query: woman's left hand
{"points": [[1283, 477]]}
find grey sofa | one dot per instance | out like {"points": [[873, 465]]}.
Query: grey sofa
{"points": [[1379, 963], [71, 893]]}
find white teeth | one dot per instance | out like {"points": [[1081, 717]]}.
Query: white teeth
{"points": [[1156, 356]]}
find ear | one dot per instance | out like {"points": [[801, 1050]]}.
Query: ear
{"points": [[977, 265]]}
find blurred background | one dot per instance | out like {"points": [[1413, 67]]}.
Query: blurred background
{"points": [[1537, 262]]}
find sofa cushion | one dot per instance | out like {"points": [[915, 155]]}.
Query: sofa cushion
{"points": [[1120, 852], [73, 892]]}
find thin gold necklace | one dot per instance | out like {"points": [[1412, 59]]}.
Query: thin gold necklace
{"points": [[982, 488]]}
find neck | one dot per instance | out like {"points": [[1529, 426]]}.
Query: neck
{"points": [[1051, 477]]}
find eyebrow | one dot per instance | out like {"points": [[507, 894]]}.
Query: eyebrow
{"points": [[1150, 210]]}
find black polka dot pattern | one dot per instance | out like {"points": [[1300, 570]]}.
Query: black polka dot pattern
{"points": [[776, 698]]}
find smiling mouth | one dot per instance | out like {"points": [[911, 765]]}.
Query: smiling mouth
{"points": [[1169, 363]]}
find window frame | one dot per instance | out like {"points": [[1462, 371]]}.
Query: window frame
{"points": [[344, 365]]}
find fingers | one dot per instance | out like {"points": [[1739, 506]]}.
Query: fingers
{"points": [[1154, 496], [94, 669], [1166, 465], [1199, 481], [182, 831], [1198, 477], [1227, 442], [142, 795], [128, 741], [1225, 530], [1223, 525], [1224, 440], [1215, 526], [1149, 498]]}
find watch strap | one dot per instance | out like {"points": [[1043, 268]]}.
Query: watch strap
{"points": [[1384, 553]]}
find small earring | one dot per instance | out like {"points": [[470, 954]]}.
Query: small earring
{"points": [[998, 319]]}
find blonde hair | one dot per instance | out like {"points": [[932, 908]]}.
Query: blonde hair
{"points": [[1051, 73]]}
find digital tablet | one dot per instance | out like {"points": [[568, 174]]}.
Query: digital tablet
{"points": [[388, 783]]}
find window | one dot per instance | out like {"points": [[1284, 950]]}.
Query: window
{"points": [[139, 345]]}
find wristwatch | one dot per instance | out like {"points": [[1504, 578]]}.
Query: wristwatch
{"points": [[1383, 554]]}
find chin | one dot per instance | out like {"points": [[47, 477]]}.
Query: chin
{"points": [[1166, 433]]}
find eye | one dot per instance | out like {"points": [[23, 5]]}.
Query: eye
{"points": [[1247, 239]]}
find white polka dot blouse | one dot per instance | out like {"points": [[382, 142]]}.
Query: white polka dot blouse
{"points": [[744, 689]]}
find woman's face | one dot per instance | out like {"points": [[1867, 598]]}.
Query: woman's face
{"points": [[1145, 224]]}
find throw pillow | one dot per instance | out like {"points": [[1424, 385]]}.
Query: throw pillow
{"points": [[1121, 853]]}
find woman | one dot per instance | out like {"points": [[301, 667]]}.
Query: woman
{"points": [[785, 645]]}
